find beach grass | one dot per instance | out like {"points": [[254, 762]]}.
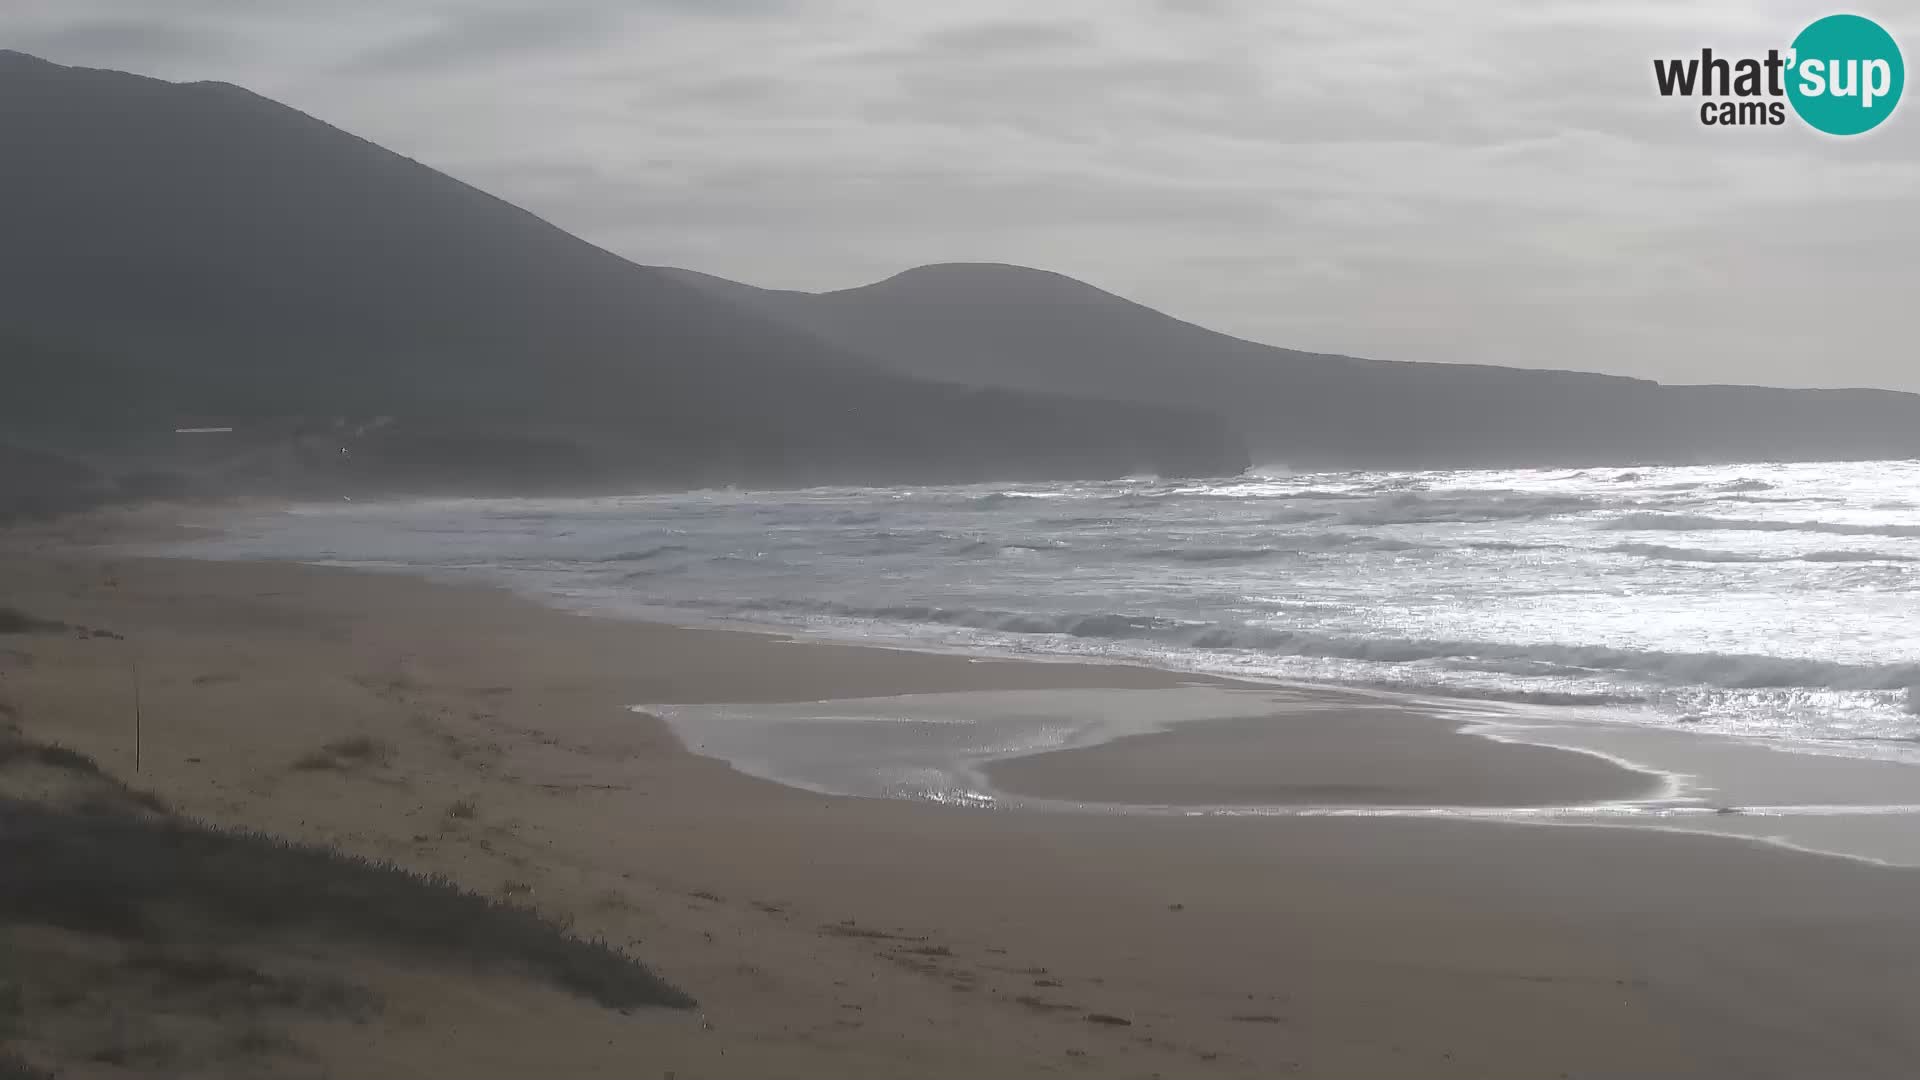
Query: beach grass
{"points": [[161, 881], [15, 621]]}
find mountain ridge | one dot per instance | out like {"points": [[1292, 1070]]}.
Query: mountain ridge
{"points": [[1007, 325], [198, 249]]}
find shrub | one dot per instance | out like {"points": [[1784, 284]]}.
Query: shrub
{"points": [[110, 874]]}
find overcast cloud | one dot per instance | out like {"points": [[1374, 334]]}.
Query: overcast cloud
{"points": [[1481, 181]]}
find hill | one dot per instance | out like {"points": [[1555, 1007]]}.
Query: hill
{"points": [[195, 254], [1009, 326]]}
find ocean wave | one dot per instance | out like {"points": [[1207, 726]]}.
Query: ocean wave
{"points": [[1001, 498], [1298, 517], [1113, 625], [1856, 556], [933, 542], [1353, 542], [1700, 523], [1744, 484], [1738, 671], [1293, 545], [899, 542], [1731, 671], [641, 554], [1710, 555], [1218, 554], [1526, 697], [1098, 624], [1414, 509], [1326, 494], [1687, 554]]}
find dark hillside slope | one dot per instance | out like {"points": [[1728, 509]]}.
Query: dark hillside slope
{"points": [[195, 249], [1011, 326]]}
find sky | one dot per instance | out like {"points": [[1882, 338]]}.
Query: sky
{"points": [[1491, 181]]}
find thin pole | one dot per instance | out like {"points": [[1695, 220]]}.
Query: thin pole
{"points": [[136, 714]]}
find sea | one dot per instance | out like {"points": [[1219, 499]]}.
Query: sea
{"points": [[1778, 603]]}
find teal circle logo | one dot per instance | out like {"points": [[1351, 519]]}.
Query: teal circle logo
{"points": [[1846, 75]]}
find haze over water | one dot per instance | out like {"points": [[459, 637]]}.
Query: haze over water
{"points": [[1779, 602]]}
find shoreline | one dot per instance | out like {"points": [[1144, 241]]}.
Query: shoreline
{"points": [[862, 937], [1690, 799], [1184, 744], [673, 560], [1690, 783], [1394, 756], [1718, 799], [1489, 708]]}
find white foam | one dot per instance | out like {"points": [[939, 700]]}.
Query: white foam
{"points": [[933, 748]]}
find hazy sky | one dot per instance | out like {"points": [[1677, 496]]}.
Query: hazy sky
{"points": [[1492, 181]]}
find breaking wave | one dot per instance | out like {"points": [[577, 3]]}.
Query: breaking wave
{"points": [[641, 554], [1738, 671], [1001, 498], [1767, 599], [1711, 555], [1700, 523], [1687, 554], [1294, 545], [1414, 509], [1856, 556]]}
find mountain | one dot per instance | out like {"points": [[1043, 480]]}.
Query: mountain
{"points": [[194, 255], [1010, 326]]}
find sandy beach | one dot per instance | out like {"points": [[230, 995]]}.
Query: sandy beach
{"points": [[1346, 752], [828, 936]]}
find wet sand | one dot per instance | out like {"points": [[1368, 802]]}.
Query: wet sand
{"points": [[866, 937], [1196, 745], [1349, 755]]}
